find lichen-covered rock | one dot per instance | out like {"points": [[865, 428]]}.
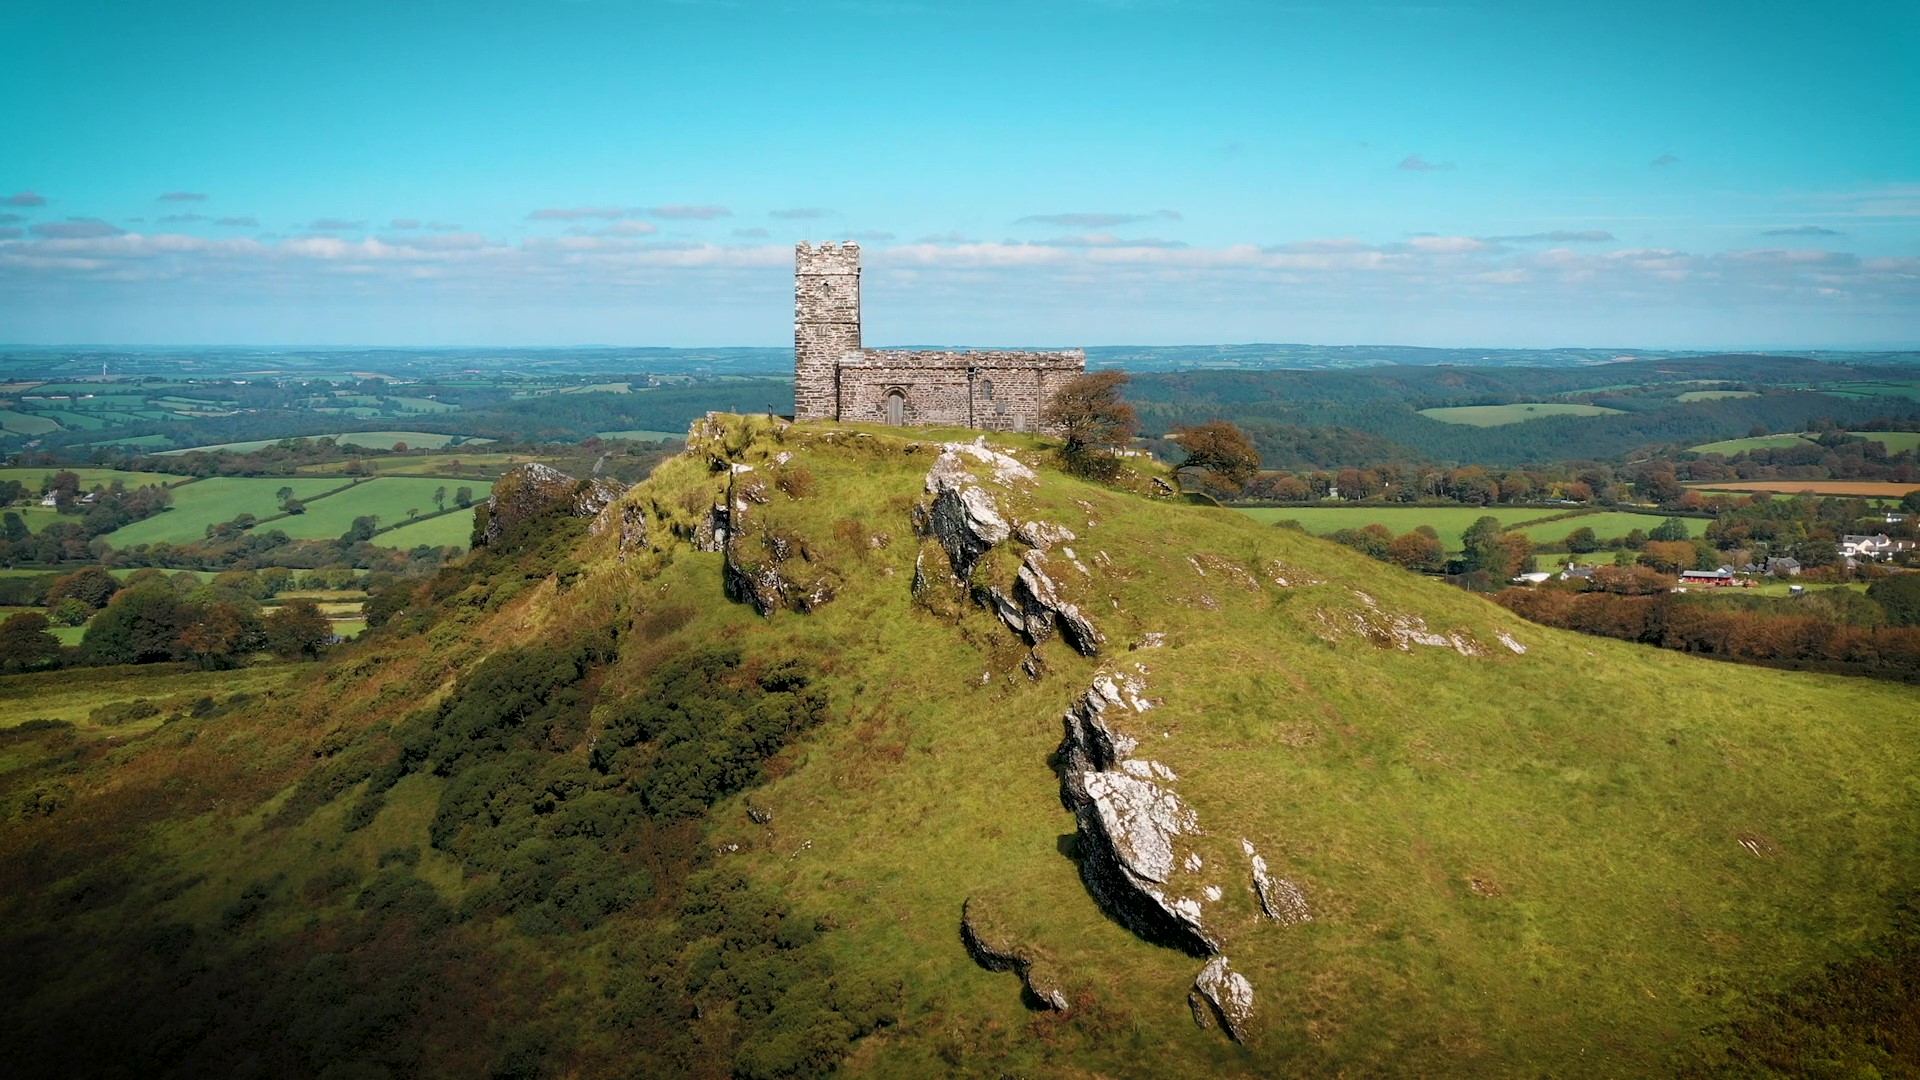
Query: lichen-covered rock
{"points": [[534, 490], [1281, 900], [1131, 823], [627, 522], [596, 495], [964, 516], [1222, 994], [1039, 599]]}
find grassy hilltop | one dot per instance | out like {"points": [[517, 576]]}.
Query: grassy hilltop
{"points": [[575, 813]]}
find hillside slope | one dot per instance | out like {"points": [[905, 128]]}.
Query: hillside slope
{"points": [[578, 814]]}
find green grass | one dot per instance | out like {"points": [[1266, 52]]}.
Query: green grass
{"points": [[73, 695], [1905, 389], [72, 420], [1448, 521], [418, 404], [1752, 442], [1572, 861], [1716, 395], [424, 464], [642, 435], [1606, 525], [446, 530], [380, 440], [387, 498], [22, 423], [214, 500], [1496, 415], [38, 517], [1771, 587], [90, 476], [1894, 441]]}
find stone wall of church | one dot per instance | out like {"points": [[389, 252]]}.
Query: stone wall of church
{"points": [[992, 391]]}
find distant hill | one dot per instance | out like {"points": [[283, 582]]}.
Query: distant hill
{"points": [[835, 747]]}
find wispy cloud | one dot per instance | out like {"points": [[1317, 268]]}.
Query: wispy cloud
{"points": [[75, 229], [1803, 230], [181, 219], [332, 224], [23, 198], [578, 213], [1557, 236], [11, 219], [680, 212], [404, 223], [183, 196], [618, 228], [800, 213], [1663, 161], [242, 222], [1097, 220], [8, 232], [947, 238], [755, 233], [1108, 240], [1417, 163]]}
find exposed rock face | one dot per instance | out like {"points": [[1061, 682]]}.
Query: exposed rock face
{"points": [[1394, 630], [968, 521], [1281, 900], [1042, 608], [763, 581], [1131, 823], [533, 490], [991, 950], [628, 523], [964, 517], [1222, 994]]}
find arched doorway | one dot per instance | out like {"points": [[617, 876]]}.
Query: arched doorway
{"points": [[897, 407]]}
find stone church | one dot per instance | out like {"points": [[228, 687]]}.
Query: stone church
{"points": [[836, 379]]}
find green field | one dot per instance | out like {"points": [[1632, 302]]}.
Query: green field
{"points": [[420, 404], [1716, 395], [20, 423], [1606, 525], [447, 530], [1496, 415], [378, 440], [422, 465], [387, 498], [642, 435], [38, 517], [1448, 521], [1451, 521], [1910, 390], [72, 696], [90, 477], [1753, 442], [214, 500], [1894, 441]]}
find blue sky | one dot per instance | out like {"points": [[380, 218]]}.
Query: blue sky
{"points": [[1047, 172]]}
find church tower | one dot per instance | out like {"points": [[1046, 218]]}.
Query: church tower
{"points": [[826, 324]]}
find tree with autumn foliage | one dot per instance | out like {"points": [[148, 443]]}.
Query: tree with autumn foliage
{"points": [[1092, 420], [1221, 453]]}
